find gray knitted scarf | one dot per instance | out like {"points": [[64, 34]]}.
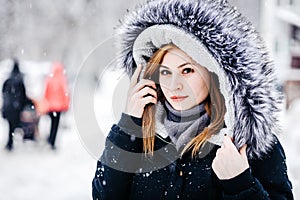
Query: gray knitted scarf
{"points": [[182, 126]]}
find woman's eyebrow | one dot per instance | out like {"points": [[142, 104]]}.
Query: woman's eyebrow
{"points": [[183, 64], [187, 63], [164, 66]]}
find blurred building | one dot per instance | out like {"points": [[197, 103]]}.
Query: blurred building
{"points": [[280, 28]]}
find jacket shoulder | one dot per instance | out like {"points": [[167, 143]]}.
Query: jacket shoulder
{"points": [[275, 155], [271, 171]]}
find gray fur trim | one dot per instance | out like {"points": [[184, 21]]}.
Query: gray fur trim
{"points": [[238, 50]]}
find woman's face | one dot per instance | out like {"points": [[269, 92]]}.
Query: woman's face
{"points": [[184, 83]]}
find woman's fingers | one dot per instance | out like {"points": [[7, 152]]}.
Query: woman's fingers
{"points": [[140, 93], [243, 151], [142, 84], [135, 76], [149, 99], [228, 142], [144, 95], [137, 103], [229, 162], [146, 91]]}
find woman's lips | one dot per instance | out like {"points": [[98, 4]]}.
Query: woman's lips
{"points": [[178, 98]]}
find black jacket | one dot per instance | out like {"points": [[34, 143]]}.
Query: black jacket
{"points": [[183, 178], [14, 95]]}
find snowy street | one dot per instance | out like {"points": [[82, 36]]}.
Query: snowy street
{"points": [[34, 171]]}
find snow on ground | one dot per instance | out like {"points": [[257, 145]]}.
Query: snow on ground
{"points": [[33, 171], [290, 139]]}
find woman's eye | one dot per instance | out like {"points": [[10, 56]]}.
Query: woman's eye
{"points": [[187, 70], [165, 72]]}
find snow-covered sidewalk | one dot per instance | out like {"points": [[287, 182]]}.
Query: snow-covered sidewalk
{"points": [[33, 171]]}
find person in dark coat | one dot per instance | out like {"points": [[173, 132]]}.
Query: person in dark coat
{"points": [[200, 119], [14, 99]]}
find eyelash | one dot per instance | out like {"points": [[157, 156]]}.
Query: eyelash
{"points": [[190, 70], [165, 72], [187, 70]]}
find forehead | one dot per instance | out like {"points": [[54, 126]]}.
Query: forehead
{"points": [[175, 57]]}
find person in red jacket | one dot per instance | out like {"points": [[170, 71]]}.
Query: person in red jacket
{"points": [[56, 98]]}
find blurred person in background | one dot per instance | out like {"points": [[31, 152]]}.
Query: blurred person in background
{"points": [[14, 99], [56, 99], [29, 120]]}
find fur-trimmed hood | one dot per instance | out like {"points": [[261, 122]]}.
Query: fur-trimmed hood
{"points": [[231, 48]]}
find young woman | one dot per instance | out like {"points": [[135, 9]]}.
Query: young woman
{"points": [[200, 117]]}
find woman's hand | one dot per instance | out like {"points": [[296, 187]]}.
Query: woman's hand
{"points": [[229, 162], [140, 94]]}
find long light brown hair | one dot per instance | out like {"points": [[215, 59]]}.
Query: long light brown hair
{"points": [[214, 106]]}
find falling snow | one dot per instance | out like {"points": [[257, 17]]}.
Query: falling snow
{"points": [[32, 168]]}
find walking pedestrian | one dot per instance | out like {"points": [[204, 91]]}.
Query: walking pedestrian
{"points": [[56, 99], [14, 99]]}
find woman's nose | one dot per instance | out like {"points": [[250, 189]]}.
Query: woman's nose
{"points": [[176, 83]]}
